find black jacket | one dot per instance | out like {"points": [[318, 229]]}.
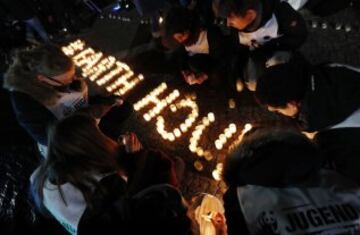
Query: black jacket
{"points": [[214, 64], [277, 177], [35, 118], [32, 116], [341, 147], [332, 95], [291, 27]]}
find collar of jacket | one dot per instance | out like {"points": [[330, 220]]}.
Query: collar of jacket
{"points": [[267, 9]]}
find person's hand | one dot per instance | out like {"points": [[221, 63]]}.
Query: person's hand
{"points": [[192, 79], [218, 220], [188, 76], [200, 78], [131, 143]]}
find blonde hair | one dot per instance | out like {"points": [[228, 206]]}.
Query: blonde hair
{"points": [[28, 63]]}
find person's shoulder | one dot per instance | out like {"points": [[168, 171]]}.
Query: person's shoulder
{"points": [[283, 10], [23, 101]]}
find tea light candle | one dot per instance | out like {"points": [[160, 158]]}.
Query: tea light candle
{"points": [[225, 136], [183, 127]]}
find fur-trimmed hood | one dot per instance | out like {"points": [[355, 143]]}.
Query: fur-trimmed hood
{"points": [[16, 79]]}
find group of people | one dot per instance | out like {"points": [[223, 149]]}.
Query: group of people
{"points": [[95, 179]]}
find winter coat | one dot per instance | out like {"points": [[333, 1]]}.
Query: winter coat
{"points": [[333, 94], [288, 194]]}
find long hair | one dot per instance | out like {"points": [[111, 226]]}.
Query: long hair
{"points": [[28, 63], [147, 168], [77, 151]]}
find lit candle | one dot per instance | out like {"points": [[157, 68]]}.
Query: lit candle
{"points": [[198, 165], [217, 172], [211, 117], [232, 128]]}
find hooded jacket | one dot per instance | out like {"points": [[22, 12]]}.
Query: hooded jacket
{"points": [[287, 193], [333, 94]]}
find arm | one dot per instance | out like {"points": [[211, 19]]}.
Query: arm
{"points": [[236, 224], [32, 116]]}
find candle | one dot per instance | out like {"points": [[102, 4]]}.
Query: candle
{"points": [[211, 117], [217, 172], [198, 165]]}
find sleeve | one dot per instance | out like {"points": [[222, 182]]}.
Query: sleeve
{"points": [[292, 27], [235, 220], [32, 116]]}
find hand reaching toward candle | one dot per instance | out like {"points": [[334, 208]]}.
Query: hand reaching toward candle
{"points": [[131, 142], [192, 79]]}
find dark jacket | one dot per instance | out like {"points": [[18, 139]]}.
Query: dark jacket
{"points": [[158, 209], [215, 63], [94, 220], [35, 118], [32, 116], [291, 27], [341, 147], [267, 193], [332, 95]]}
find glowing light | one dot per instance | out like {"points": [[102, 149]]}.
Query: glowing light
{"points": [[247, 128], [211, 117], [217, 172], [118, 80], [225, 136], [152, 98], [198, 165], [183, 127]]}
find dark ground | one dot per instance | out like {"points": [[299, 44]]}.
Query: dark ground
{"points": [[114, 36]]}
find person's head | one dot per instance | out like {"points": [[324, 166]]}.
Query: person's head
{"points": [[182, 25], [239, 13], [282, 87], [77, 152], [41, 69], [272, 157], [158, 209], [147, 168]]}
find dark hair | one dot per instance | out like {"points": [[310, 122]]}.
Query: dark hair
{"points": [[180, 20], [272, 157], [159, 209], [147, 168], [77, 152], [28, 63], [283, 83], [237, 7]]}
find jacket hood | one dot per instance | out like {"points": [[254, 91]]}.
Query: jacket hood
{"points": [[273, 158], [332, 95]]}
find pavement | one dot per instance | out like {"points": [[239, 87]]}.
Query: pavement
{"points": [[126, 36]]}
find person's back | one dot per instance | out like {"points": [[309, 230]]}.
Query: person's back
{"points": [[80, 167], [205, 48], [43, 88], [317, 96], [268, 26], [276, 186], [156, 209]]}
